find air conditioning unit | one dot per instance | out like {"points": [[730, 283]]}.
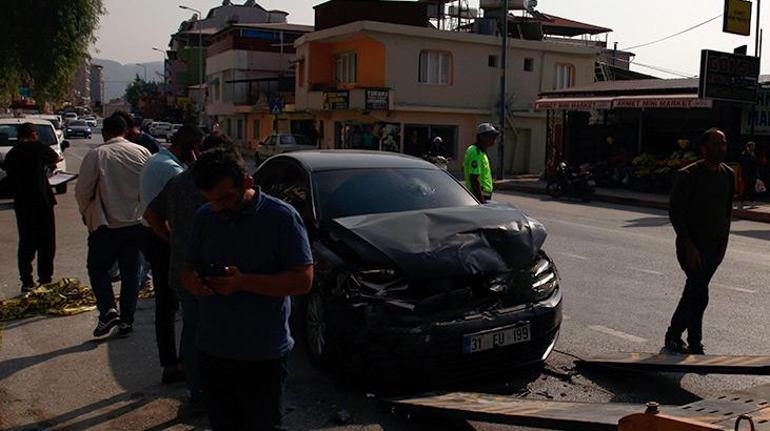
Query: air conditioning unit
{"points": [[512, 4]]}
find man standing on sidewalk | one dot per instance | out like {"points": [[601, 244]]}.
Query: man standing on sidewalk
{"points": [[700, 211], [476, 167], [161, 168], [107, 192], [171, 215], [249, 253], [33, 203]]}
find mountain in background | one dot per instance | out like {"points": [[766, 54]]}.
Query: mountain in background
{"points": [[117, 76]]}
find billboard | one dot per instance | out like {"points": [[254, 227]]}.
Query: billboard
{"points": [[758, 116], [728, 77], [737, 17]]}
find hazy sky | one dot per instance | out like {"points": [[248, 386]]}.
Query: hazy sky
{"points": [[133, 27]]}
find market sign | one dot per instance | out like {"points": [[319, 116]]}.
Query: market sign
{"points": [[337, 100], [759, 117], [377, 100], [737, 17], [728, 77], [659, 102], [574, 104]]}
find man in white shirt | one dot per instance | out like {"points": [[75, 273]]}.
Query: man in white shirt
{"points": [[107, 192]]}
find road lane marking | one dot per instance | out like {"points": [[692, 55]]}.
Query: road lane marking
{"points": [[616, 333], [737, 289], [647, 271], [576, 256]]}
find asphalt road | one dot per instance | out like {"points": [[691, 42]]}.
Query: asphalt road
{"points": [[620, 282]]}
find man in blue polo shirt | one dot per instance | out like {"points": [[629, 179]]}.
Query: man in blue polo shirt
{"points": [[249, 253]]}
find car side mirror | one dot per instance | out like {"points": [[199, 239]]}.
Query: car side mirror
{"points": [[64, 145]]}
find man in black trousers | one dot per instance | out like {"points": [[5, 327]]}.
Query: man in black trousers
{"points": [[700, 211], [26, 165]]}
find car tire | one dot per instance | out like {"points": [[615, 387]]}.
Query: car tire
{"points": [[554, 189], [315, 331], [61, 189]]}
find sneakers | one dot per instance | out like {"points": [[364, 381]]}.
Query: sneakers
{"points": [[125, 329], [172, 375], [106, 323], [676, 345], [26, 288], [696, 349]]}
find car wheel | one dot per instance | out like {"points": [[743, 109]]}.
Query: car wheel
{"points": [[316, 333], [61, 189], [554, 189]]}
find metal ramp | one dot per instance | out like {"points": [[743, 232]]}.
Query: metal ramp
{"points": [[668, 362], [720, 413]]}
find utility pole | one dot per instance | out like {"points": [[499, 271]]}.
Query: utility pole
{"points": [[503, 89], [201, 94], [757, 44]]}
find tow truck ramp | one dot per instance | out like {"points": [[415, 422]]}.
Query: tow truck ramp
{"points": [[747, 409]]}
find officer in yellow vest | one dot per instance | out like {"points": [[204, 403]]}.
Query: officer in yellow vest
{"points": [[478, 172]]}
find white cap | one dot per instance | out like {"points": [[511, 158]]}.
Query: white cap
{"points": [[438, 139], [486, 128]]}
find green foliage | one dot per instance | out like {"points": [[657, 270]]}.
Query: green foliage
{"points": [[44, 42], [139, 88]]}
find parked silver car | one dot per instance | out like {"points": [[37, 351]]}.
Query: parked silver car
{"points": [[282, 143]]}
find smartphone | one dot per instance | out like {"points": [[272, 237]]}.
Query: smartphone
{"points": [[213, 270]]}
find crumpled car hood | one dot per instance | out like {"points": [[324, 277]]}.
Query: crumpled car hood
{"points": [[484, 239]]}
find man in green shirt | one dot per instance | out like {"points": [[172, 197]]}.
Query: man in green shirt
{"points": [[478, 173]]}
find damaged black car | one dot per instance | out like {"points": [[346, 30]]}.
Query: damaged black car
{"points": [[415, 279]]}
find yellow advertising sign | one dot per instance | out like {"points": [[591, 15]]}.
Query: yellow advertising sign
{"points": [[737, 17]]}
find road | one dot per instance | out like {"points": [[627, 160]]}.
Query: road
{"points": [[620, 282]]}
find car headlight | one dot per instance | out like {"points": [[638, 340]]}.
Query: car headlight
{"points": [[534, 284], [69, 130]]}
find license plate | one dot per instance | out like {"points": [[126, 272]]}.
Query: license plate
{"points": [[495, 338]]}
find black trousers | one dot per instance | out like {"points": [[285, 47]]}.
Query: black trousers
{"points": [[243, 395], [37, 236], [749, 188], [695, 298], [158, 253]]}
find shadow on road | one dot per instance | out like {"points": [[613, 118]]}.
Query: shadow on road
{"points": [[640, 387], [756, 234], [12, 366], [647, 222]]}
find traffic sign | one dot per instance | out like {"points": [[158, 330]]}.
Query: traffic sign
{"points": [[737, 17], [275, 105]]}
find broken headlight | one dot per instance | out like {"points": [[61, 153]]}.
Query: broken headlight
{"points": [[532, 285], [378, 281]]}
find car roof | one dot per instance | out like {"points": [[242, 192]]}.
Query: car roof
{"points": [[22, 120], [330, 160]]}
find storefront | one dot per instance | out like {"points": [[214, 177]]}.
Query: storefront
{"points": [[642, 131]]}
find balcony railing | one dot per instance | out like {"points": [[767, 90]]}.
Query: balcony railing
{"points": [[258, 91]]}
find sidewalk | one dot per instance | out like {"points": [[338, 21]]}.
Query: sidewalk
{"points": [[534, 185]]}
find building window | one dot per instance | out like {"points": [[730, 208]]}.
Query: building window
{"points": [[301, 73], [435, 67], [492, 61], [255, 130], [529, 64], [564, 76], [239, 135], [345, 68]]}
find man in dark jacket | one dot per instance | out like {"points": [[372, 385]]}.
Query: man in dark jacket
{"points": [[27, 165], [700, 211]]}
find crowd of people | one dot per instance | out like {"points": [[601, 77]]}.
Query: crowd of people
{"points": [[229, 254]]}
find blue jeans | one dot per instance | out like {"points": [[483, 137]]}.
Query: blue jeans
{"points": [[105, 247], [187, 343]]}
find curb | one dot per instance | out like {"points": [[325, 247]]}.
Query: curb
{"points": [[741, 214]]}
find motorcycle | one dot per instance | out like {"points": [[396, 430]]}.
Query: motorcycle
{"points": [[440, 161], [571, 182]]}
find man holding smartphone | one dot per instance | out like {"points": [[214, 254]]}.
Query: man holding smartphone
{"points": [[249, 253]]}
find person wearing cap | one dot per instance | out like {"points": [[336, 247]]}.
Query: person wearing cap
{"points": [[476, 168]]}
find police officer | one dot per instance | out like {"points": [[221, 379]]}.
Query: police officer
{"points": [[478, 173]]}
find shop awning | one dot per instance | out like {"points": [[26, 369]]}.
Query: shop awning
{"points": [[573, 104], [664, 101]]}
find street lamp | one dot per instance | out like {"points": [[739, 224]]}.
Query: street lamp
{"points": [[165, 78], [200, 57], [143, 66]]}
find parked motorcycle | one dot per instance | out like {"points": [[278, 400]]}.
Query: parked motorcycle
{"points": [[571, 182]]}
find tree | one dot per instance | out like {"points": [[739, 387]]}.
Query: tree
{"points": [[139, 88], [43, 42]]}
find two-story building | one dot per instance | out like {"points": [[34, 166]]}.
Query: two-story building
{"points": [[250, 80], [386, 79]]}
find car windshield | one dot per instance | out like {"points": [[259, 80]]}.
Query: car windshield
{"points": [[77, 123], [345, 193], [287, 140], [9, 134]]}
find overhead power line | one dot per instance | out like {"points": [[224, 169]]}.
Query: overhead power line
{"points": [[674, 72], [673, 35]]}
